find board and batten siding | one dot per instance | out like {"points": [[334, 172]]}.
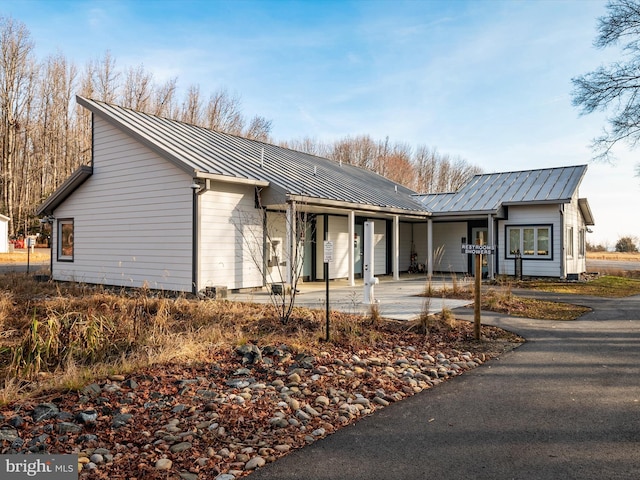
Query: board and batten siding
{"points": [[338, 234], [380, 247], [446, 246], [420, 242], [532, 215], [231, 237], [576, 263], [132, 218], [405, 246]]}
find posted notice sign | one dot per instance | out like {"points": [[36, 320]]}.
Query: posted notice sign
{"points": [[478, 249], [328, 251]]}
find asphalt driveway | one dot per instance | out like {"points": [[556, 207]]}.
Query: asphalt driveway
{"points": [[565, 405]]}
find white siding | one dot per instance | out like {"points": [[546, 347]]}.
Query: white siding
{"points": [[446, 239], [406, 242], [339, 235], [532, 215], [573, 218], [132, 218], [420, 242], [380, 247], [231, 237]]}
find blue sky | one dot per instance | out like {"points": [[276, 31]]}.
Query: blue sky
{"points": [[489, 81]]}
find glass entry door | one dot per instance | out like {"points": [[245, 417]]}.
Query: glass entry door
{"points": [[480, 235]]}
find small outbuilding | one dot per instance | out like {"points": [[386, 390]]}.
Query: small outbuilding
{"points": [[4, 233]]}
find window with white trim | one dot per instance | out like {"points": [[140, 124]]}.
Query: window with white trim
{"points": [[569, 241], [581, 243], [530, 241], [65, 240]]}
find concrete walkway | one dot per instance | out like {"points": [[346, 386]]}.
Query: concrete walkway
{"points": [[398, 300], [565, 405]]}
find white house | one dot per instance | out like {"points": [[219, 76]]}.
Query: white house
{"points": [[173, 206]]}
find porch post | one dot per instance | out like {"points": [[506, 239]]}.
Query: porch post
{"points": [[490, 241], [396, 247], [290, 239], [429, 248], [351, 256]]}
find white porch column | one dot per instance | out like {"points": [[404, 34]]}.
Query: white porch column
{"points": [[491, 260], [290, 241], [396, 247], [351, 256], [429, 248]]}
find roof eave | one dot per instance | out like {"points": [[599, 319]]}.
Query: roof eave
{"points": [[585, 209], [355, 206], [229, 179], [76, 179]]}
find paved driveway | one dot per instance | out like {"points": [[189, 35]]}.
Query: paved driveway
{"points": [[565, 405]]}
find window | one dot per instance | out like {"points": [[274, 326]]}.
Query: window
{"points": [[530, 241], [570, 242], [65, 240], [581, 243]]}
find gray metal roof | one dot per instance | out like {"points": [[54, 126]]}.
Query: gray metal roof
{"points": [[487, 193], [199, 150]]}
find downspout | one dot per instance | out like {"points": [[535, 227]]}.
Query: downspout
{"points": [[195, 189], [50, 221], [563, 254]]}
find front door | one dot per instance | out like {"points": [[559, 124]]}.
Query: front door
{"points": [[357, 249], [479, 235]]}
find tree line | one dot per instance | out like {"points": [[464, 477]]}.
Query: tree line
{"points": [[45, 136]]}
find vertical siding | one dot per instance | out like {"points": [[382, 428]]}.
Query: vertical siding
{"points": [[573, 218], [420, 241], [406, 244], [380, 247], [532, 215], [446, 238], [132, 218], [339, 235], [231, 237]]}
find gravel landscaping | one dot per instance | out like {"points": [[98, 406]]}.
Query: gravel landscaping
{"points": [[246, 407]]}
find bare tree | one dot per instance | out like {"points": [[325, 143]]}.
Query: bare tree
{"points": [[279, 260], [259, 128], [137, 89], [16, 77], [163, 99], [223, 112], [106, 79], [308, 145], [616, 87], [191, 111]]}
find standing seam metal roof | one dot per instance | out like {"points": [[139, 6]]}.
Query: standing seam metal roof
{"points": [[488, 192], [196, 149]]}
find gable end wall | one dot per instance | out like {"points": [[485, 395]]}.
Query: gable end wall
{"points": [[132, 218]]}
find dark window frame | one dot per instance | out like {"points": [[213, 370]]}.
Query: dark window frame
{"points": [[522, 227], [62, 222]]}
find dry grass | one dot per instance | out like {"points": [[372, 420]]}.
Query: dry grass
{"points": [[609, 286], [62, 336], [619, 256], [39, 255], [503, 301]]}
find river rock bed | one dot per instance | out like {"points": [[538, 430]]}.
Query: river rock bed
{"points": [[223, 419]]}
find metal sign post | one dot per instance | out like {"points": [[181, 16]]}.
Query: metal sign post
{"points": [[328, 257], [478, 250]]}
